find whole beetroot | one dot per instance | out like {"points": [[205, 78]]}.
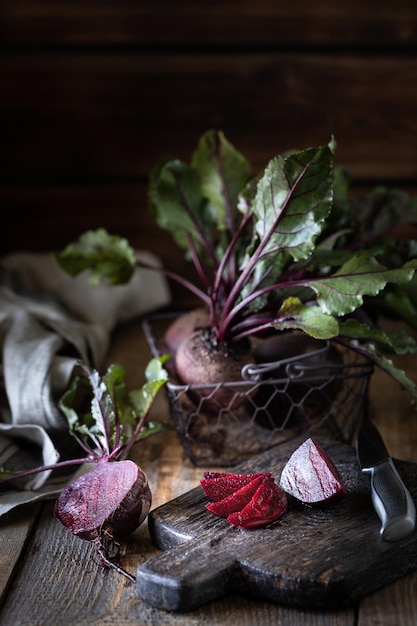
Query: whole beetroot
{"points": [[207, 367], [107, 503]]}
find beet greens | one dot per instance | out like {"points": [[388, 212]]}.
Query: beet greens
{"points": [[283, 250], [117, 419]]}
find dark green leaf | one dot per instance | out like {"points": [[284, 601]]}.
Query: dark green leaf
{"points": [[81, 423], [115, 413], [401, 303], [294, 314], [153, 428], [397, 342], [224, 172], [343, 292], [156, 376], [106, 256], [390, 368], [293, 199], [178, 205]]}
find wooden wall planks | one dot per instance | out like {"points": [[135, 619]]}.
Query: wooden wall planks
{"points": [[90, 116], [228, 23], [93, 96]]}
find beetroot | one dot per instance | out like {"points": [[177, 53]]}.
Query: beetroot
{"points": [[311, 476], [201, 361], [184, 326], [112, 498], [256, 500], [268, 503], [110, 501], [219, 485], [105, 505], [235, 501]]}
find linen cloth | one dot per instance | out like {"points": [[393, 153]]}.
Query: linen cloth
{"points": [[49, 321]]}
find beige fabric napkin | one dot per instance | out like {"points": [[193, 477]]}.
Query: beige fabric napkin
{"points": [[48, 321]]}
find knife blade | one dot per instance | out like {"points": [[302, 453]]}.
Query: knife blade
{"points": [[390, 497]]}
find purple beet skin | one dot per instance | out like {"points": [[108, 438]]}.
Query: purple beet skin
{"points": [[105, 505], [114, 496]]}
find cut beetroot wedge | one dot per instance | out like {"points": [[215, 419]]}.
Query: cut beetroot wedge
{"points": [[311, 476], [237, 500], [219, 485], [268, 503]]}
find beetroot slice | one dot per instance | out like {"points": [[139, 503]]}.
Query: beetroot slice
{"points": [[237, 500], [88, 501], [311, 476], [219, 485], [267, 504]]}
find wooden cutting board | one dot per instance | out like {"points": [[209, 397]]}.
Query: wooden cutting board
{"points": [[325, 556]]}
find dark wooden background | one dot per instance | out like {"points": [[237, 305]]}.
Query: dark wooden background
{"points": [[93, 94]]}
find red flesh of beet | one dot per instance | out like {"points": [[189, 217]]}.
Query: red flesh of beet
{"points": [[235, 501], [98, 497], [219, 485], [257, 503], [267, 504], [311, 476]]}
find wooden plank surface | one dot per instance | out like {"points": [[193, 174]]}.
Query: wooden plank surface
{"points": [[15, 529], [227, 23], [80, 128], [382, 607], [94, 117]]}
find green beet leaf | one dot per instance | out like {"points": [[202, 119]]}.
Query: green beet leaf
{"points": [[293, 199], [177, 203], [223, 172], [310, 319], [362, 275], [104, 255], [103, 416]]}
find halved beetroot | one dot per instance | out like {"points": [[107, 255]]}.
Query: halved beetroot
{"points": [[267, 504], [311, 476], [237, 500], [219, 485]]}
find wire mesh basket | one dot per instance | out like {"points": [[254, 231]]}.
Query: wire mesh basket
{"points": [[273, 401]]}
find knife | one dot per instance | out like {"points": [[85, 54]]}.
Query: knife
{"points": [[390, 497]]}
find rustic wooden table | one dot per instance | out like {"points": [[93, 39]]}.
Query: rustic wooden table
{"points": [[49, 577]]}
